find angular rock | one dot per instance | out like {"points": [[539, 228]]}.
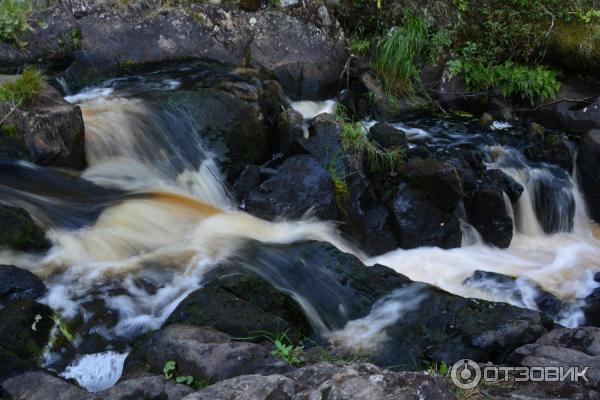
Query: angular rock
{"points": [[572, 115], [144, 386], [421, 223], [387, 136], [49, 132], [487, 212], [291, 128], [306, 59], [591, 309], [437, 180], [300, 184], [18, 284], [203, 353], [20, 232], [38, 385], [588, 169]]}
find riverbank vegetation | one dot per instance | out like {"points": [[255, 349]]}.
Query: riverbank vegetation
{"points": [[517, 47]]}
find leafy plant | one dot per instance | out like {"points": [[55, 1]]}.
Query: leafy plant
{"points": [[283, 348], [359, 46], [23, 90], [397, 55], [13, 19], [170, 372]]}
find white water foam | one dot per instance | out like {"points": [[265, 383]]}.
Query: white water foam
{"points": [[96, 372]]}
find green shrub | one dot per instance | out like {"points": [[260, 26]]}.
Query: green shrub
{"points": [[13, 19], [23, 90], [397, 55], [537, 83]]}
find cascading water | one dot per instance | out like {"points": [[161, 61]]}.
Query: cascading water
{"points": [[137, 231]]}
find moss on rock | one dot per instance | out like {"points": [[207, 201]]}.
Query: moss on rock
{"points": [[576, 45]]}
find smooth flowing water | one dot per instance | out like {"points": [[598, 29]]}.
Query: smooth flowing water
{"points": [[139, 228]]}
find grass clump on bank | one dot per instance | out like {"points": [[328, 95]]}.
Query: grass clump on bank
{"points": [[24, 90], [13, 19], [397, 55]]}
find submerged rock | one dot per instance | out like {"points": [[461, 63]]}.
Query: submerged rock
{"points": [[49, 132], [387, 136], [17, 284], [203, 353]]}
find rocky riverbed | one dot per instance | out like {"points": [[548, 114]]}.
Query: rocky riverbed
{"points": [[211, 201]]}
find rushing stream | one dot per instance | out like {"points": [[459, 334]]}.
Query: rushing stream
{"points": [[150, 216]]}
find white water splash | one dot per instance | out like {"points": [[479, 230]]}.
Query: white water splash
{"points": [[310, 109], [96, 372]]}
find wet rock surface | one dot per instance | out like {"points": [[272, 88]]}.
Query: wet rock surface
{"points": [[48, 132], [588, 164], [19, 231], [17, 284]]}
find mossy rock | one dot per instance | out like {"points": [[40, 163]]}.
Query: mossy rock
{"points": [[25, 328], [576, 45], [19, 231]]}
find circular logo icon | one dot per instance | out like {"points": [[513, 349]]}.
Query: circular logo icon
{"points": [[465, 374]]}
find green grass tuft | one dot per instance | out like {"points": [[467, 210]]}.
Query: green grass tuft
{"points": [[24, 90], [397, 54]]}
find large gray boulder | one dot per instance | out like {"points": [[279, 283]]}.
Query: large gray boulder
{"points": [[203, 353], [305, 57]]}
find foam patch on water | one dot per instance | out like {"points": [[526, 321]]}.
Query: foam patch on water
{"points": [[310, 109], [96, 372], [89, 94]]}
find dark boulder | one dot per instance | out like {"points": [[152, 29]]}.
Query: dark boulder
{"points": [[203, 353], [17, 284], [36, 385], [552, 148], [234, 128], [25, 328], [248, 180], [588, 168], [300, 184], [305, 58], [506, 183], [452, 95], [439, 181], [576, 110], [487, 212], [591, 309], [387, 136], [420, 222], [239, 302], [290, 126], [20, 232], [49, 132]]}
